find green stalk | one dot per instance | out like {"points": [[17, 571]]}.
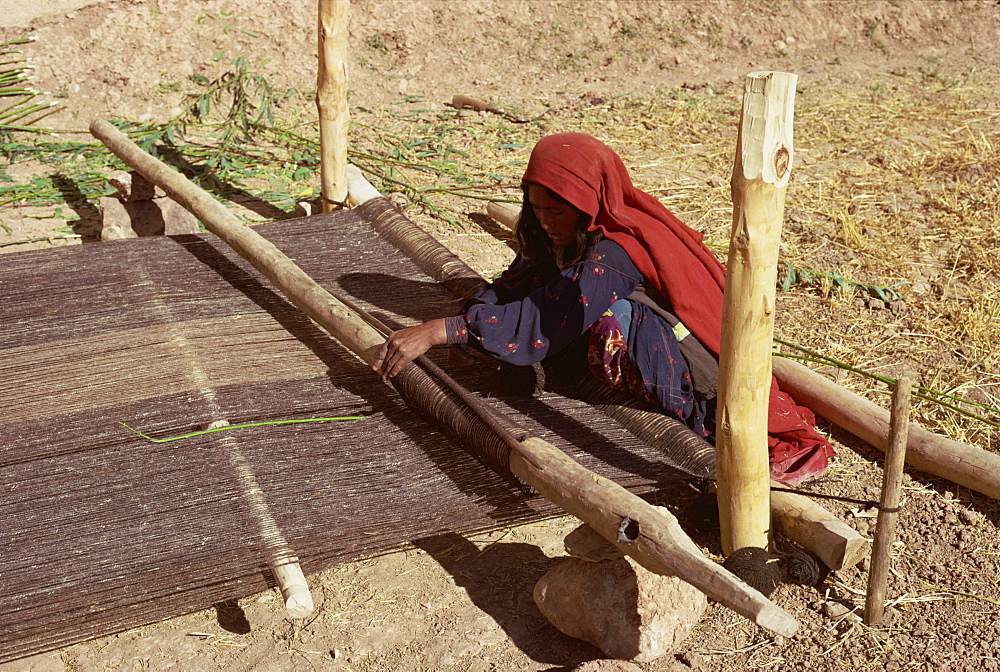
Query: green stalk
{"points": [[247, 424]]}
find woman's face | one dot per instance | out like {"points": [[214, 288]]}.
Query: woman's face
{"points": [[559, 220]]}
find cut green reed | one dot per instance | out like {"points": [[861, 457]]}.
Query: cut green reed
{"points": [[242, 426], [14, 73]]}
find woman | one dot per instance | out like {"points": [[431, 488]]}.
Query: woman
{"points": [[605, 261]]}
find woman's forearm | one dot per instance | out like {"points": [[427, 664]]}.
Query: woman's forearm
{"points": [[405, 345]]}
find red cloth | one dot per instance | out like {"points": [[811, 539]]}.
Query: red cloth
{"points": [[590, 176]]}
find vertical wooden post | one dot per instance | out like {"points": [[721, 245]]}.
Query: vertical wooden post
{"points": [[760, 175], [892, 485], [331, 100]]}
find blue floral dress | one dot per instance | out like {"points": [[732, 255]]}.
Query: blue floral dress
{"points": [[535, 311]]}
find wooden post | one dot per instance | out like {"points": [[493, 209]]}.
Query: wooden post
{"points": [[331, 100], [892, 485], [655, 539], [760, 175]]}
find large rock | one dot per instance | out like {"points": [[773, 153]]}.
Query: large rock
{"points": [[587, 544], [618, 606], [132, 219]]}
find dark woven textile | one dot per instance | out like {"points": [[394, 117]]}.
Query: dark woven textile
{"points": [[103, 530]]}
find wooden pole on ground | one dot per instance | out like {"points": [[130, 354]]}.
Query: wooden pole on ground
{"points": [[281, 559], [653, 537], [892, 486], [760, 175], [506, 213], [815, 529], [275, 549], [331, 100], [931, 453]]}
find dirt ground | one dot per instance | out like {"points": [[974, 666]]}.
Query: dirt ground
{"points": [[464, 604]]}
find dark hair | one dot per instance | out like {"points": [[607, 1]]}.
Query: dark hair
{"points": [[536, 243]]}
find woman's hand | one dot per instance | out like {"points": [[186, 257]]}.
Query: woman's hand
{"points": [[405, 345]]}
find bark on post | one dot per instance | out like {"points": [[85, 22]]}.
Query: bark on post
{"points": [[331, 100], [760, 175]]}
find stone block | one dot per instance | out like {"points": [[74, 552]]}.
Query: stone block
{"points": [[618, 606]]}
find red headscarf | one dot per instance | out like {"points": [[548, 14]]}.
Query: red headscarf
{"points": [[671, 256]]}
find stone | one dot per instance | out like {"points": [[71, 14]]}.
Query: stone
{"points": [[115, 221], [132, 186], [132, 219], [969, 517], [618, 606], [692, 659], [585, 543], [841, 612], [177, 220]]}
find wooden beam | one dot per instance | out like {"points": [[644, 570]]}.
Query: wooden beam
{"points": [[280, 557], [331, 101], [506, 213], [275, 549], [653, 538], [815, 529], [931, 453], [760, 175], [658, 543]]}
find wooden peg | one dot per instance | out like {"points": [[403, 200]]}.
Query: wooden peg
{"points": [[892, 485]]}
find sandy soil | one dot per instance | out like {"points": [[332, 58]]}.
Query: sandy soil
{"points": [[465, 603]]}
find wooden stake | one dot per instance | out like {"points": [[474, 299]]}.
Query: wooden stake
{"points": [[892, 485], [331, 101], [653, 538], [931, 453], [760, 175]]}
